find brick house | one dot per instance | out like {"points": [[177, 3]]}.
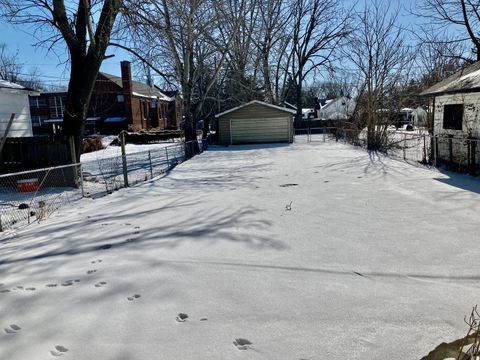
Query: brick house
{"points": [[117, 103]]}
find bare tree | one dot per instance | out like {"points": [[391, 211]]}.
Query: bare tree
{"points": [[10, 66], [460, 17], [192, 38], [85, 28], [318, 28], [271, 31], [381, 57]]}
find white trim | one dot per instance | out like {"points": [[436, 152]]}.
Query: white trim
{"points": [[256, 102]]}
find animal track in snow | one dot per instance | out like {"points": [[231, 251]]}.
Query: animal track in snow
{"points": [[51, 285], [12, 329], [105, 247], [242, 344], [59, 350], [181, 317], [133, 297], [89, 272], [101, 284], [288, 185], [30, 289], [4, 291], [97, 261], [68, 283]]}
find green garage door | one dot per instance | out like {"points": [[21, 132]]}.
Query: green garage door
{"points": [[267, 130]]}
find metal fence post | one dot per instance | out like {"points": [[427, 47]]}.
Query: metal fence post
{"points": [[150, 162], [424, 149], [81, 180], [168, 163], [124, 159]]}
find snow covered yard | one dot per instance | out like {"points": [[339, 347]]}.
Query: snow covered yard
{"points": [[376, 259]]}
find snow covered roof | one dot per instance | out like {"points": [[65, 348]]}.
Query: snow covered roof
{"points": [[257, 102], [139, 88], [9, 86], [4, 84], [466, 79]]}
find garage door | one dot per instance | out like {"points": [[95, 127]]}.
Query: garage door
{"points": [[268, 130]]}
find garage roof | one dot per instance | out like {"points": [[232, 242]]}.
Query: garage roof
{"points": [[257, 102]]}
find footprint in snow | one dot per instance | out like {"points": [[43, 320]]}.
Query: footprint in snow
{"points": [[181, 317], [105, 247], [59, 350], [97, 261], [89, 272], [242, 344], [12, 329], [51, 285], [133, 297], [30, 289], [4, 291], [101, 284], [70, 282]]}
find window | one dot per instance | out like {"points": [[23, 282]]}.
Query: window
{"points": [[145, 109], [37, 102], [37, 120], [120, 98], [57, 106], [453, 116]]}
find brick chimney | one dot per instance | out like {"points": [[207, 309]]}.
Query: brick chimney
{"points": [[127, 90], [126, 76]]}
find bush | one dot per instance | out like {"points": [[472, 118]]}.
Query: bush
{"points": [[93, 143]]}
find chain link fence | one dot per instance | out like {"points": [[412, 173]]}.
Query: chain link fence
{"points": [[460, 154], [32, 196]]}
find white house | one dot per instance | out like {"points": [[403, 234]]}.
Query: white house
{"points": [[456, 103], [14, 99], [340, 108]]}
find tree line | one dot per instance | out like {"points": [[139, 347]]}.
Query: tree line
{"points": [[221, 53]]}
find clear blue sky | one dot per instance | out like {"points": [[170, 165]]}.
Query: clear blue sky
{"points": [[53, 72]]}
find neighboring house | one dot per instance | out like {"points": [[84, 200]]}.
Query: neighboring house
{"points": [[456, 103], [287, 105], [255, 122], [340, 108], [117, 103], [14, 99]]}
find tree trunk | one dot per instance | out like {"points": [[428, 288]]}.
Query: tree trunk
{"points": [[298, 97], [83, 74], [266, 76]]}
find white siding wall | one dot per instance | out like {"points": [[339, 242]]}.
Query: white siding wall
{"points": [[12, 101], [471, 114]]}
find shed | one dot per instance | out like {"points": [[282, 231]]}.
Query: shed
{"points": [[14, 99], [255, 122]]}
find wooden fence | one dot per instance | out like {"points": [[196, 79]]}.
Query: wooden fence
{"points": [[28, 153]]}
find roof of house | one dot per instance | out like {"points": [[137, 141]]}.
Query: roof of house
{"points": [[259, 103], [4, 84], [139, 88], [467, 79]]}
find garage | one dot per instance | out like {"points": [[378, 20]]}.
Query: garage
{"points": [[255, 122]]}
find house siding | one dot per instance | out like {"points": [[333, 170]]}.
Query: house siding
{"points": [[15, 102], [471, 114]]}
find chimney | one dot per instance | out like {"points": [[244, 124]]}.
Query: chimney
{"points": [[126, 77], [127, 90]]}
